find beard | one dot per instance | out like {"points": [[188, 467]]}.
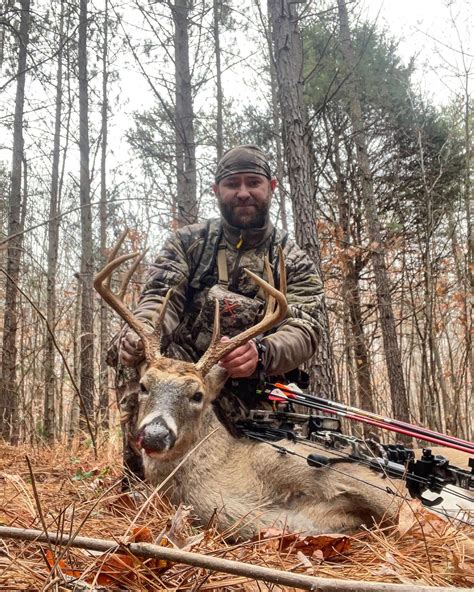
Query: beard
{"points": [[248, 214]]}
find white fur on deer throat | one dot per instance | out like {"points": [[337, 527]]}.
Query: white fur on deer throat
{"points": [[163, 416]]}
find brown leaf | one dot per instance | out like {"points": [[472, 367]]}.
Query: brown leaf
{"points": [[330, 545], [141, 534], [68, 571], [419, 521], [322, 546], [122, 503], [116, 568]]}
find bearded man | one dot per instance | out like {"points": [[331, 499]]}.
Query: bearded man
{"points": [[206, 261]]}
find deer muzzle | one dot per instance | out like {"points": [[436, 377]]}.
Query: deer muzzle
{"points": [[156, 436]]}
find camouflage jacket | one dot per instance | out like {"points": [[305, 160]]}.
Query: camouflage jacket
{"points": [[188, 264]]}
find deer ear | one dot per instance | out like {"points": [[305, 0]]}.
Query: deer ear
{"points": [[215, 380]]}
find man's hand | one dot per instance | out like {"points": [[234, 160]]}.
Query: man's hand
{"points": [[131, 351], [242, 362]]}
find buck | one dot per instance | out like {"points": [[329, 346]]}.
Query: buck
{"points": [[245, 485]]}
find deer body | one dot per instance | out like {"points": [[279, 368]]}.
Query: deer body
{"points": [[246, 485]]}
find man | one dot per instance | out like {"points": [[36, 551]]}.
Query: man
{"points": [[205, 261]]}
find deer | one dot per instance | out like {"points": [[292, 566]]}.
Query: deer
{"points": [[241, 485]]}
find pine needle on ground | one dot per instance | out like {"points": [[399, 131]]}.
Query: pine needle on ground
{"points": [[81, 496]]}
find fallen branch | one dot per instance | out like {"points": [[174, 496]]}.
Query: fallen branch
{"points": [[255, 572]]}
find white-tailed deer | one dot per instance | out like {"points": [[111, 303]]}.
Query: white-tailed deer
{"points": [[247, 485]]}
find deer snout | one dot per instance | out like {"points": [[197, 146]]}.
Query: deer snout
{"points": [[156, 436]]}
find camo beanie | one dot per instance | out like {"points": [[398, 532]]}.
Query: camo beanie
{"points": [[243, 159]]}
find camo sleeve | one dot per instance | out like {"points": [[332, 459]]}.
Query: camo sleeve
{"points": [[294, 341]]}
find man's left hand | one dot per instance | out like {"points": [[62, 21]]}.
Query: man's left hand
{"points": [[242, 362]]}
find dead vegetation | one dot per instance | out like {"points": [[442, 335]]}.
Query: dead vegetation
{"points": [[78, 495]]}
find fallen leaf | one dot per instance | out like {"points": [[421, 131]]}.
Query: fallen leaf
{"points": [[141, 534], [323, 546], [117, 568], [68, 571], [419, 521], [123, 503]]}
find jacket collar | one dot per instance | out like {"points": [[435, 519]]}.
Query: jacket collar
{"points": [[248, 238]]}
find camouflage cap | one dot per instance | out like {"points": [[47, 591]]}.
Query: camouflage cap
{"points": [[243, 159]]}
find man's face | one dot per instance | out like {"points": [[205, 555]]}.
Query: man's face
{"points": [[244, 199]]}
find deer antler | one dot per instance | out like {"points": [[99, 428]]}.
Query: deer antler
{"points": [[151, 338], [275, 311]]}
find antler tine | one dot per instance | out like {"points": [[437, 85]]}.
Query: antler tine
{"points": [[150, 343], [282, 275], [282, 270], [273, 315], [123, 288], [216, 331], [158, 321], [270, 304], [115, 250]]}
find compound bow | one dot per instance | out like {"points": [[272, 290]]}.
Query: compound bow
{"points": [[429, 473]]}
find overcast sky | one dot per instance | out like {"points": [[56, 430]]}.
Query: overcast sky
{"points": [[426, 30]]}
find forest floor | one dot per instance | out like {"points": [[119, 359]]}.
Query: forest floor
{"points": [[68, 490]]}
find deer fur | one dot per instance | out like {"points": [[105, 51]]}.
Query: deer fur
{"points": [[245, 485]]}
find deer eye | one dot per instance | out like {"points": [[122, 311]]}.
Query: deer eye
{"points": [[197, 397]]}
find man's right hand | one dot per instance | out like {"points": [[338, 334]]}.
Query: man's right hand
{"points": [[131, 351]]}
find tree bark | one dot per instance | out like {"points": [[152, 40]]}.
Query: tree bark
{"points": [[50, 386], [469, 205], [352, 266], [463, 403], [219, 91], [104, 309], [6, 7], [8, 386], [87, 263], [399, 397], [276, 122], [184, 119], [288, 56], [75, 407]]}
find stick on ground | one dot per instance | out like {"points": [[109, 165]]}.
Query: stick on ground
{"points": [[255, 572]]}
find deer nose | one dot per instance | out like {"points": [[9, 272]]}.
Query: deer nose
{"points": [[156, 436]]}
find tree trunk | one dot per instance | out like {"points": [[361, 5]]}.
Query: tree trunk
{"points": [[8, 387], [463, 404], [75, 408], [53, 239], [104, 309], [87, 264], [184, 119], [469, 205], [219, 92], [384, 297], [276, 122], [6, 7], [352, 266], [288, 55]]}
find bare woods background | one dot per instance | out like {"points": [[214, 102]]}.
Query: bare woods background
{"points": [[113, 115]]}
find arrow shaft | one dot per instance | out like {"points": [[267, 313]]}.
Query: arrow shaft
{"points": [[376, 420]]}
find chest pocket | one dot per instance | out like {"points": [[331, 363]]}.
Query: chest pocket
{"points": [[237, 311]]}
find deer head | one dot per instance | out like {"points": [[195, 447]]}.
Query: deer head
{"points": [[175, 394]]}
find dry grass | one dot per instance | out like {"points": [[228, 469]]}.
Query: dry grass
{"points": [[79, 494]]}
